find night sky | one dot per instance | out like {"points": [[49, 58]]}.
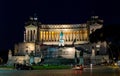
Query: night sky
{"points": [[14, 14]]}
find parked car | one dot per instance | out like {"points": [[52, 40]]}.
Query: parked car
{"points": [[23, 67]]}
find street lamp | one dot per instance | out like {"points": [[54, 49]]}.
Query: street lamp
{"points": [[97, 48], [110, 52]]}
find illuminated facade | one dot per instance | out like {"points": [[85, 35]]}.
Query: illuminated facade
{"points": [[49, 35]]}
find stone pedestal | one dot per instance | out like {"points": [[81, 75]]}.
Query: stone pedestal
{"points": [[81, 61]]}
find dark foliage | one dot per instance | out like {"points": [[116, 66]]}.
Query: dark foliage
{"points": [[107, 33], [110, 34]]}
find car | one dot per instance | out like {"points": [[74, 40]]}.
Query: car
{"points": [[23, 67], [78, 67]]}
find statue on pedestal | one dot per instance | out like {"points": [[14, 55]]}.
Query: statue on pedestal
{"points": [[93, 52], [10, 61], [10, 55], [61, 41], [27, 59]]}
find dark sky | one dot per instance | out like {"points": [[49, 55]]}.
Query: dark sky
{"points": [[14, 13]]}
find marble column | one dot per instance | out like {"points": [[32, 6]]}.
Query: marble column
{"points": [[44, 35], [73, 35], [84, 35], [66, 35], [70, 36], [29, 34], [80, 36], [32, 35], [40, 35], [24, 36], [76, 34], [57, 36], [47, 36], [35, 35], [54, 36], [50, 36]]}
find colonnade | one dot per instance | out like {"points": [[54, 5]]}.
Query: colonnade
{"points": [[68, 35], [30, 35]]}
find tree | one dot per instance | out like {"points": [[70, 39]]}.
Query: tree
{"points": [[1, 60], [108, 33]]}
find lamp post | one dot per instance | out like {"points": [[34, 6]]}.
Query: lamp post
{"points": [[97, 49]]}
